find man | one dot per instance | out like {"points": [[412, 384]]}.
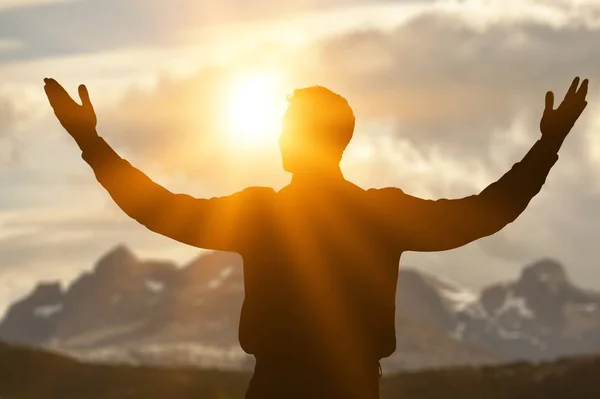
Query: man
{"points": [[321, 255]]}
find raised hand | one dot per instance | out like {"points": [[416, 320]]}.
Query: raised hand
{"points": [[557, 123], [78, 120]]}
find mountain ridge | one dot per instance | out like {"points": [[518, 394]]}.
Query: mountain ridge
{"points": [[154, 312]]}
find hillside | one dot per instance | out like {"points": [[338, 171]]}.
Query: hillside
{"points": [[33, 374]]}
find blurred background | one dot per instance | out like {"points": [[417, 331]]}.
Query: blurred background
{"points": [[448, 96]]}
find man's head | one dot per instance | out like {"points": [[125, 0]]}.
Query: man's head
{"points": [[317, 127]]}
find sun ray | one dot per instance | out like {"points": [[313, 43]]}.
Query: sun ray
{"points": [[319, 285]]}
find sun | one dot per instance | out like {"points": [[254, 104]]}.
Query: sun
{"points": [[254, 108]]}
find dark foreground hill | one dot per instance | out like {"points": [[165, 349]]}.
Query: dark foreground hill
{"points": [[33, 374], [29, 373]]}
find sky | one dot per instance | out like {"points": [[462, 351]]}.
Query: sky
{"points": [[448, 96]]}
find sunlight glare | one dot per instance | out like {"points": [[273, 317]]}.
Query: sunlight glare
{"points": [[255, 104]]}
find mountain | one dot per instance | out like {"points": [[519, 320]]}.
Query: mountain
{"points": [[540, 316], [154, 312], [27, 373]]}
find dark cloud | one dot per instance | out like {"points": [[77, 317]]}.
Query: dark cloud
{"points": [[452, 86]]}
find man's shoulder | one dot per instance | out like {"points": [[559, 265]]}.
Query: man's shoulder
{"points": [[386, 197], [258, 190], [256, 194], [384, 192], [375, 196], [250, 203]]}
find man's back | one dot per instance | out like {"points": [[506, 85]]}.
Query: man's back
{"points": [[320, 278]]}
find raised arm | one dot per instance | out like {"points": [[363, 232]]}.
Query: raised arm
{"points": [[216, 223], [417, 224]]}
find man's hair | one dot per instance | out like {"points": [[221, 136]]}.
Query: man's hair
{"points": [[324, 113]]}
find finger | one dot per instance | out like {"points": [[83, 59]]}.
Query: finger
{"points": [[573, 89], [583, 90], [49, 95], [54, 95], [57, 95], [549, 102], [85, 97], [55, 89], [575, 113], [585, 103], [53, 84]]}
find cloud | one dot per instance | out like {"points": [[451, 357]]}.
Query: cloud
{"points": [[456, 87], [445, 103], [9, 118], [76, 26], [454, 92], [12, 4], [459, 103], [178, 128]]}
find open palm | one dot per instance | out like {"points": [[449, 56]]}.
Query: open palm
{"points": [[76, 119], [557, 123]]}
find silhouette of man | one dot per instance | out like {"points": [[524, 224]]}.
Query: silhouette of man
{"points": [[321, 255]]}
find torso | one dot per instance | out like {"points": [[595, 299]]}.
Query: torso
{"points": [[320, 278]]}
